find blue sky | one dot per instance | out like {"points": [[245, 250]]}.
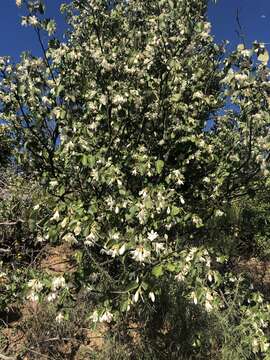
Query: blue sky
{"points": [[254, 17], [16, 38]]}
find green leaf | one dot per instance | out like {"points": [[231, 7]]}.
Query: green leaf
{"points": [[171, 4], [59, 90], [131, 286], [175, 210], [144, 285], [124, 305], [264, 57], [85, 160], [62, 114], [148, 204], [157, 271], [176, 97], [171, 267], [133, 210], [159, 166]]}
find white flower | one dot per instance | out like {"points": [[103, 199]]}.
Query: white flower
{"points": [[77, 230], [110, 202], [142, 216], [152, 296], [207, 27], [32, 296], [122, 249], [70, 238], [246, 52], [197, 220], [40, 238], [179, 277], [207, 180], [52, 296], [190, 256], [219, 213], [143, 193], [19, 3], [119, 183], [198, 95], [64, 223], [35, 285], [56, 216], [113, 252], [103, 99], [152, 235], [194, 298], [106, 317], [118, 99], [265, 346], [90, 240], [93, 125], [107, 66], [208, 306], [59, 318], [94, 317], [95, 174], [33, 20], [140, 254], [158, 247], [254, 343], [241, 77], [116, 236], [53, 183], [136, 296], [24, 21], [58, 283], [45, 100], [182, 200]]}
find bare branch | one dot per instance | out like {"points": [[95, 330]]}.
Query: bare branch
{"points": [[11, 223], [4, 357]]}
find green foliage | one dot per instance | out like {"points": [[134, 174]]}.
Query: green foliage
{"points": [[5, 146], [21, 222], [146, 134]]}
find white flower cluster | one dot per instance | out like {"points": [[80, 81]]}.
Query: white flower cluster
{"points": [[90, 239], [70, 238], [59, 318], [107, 316], [157, 246], [114, 251], [30, 20], [58, 283], [140, 254], [35, 287]]}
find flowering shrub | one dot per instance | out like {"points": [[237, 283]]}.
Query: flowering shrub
{"points": [[145, 132]]}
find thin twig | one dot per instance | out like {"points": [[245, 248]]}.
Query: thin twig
{"points": [[55, 339], [240, 32], [4, 357], [10, 223]]}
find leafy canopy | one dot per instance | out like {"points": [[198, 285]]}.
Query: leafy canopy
{"points": [[146, 132]]}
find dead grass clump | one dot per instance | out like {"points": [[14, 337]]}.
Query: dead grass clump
{"points": [[47, 338]]}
